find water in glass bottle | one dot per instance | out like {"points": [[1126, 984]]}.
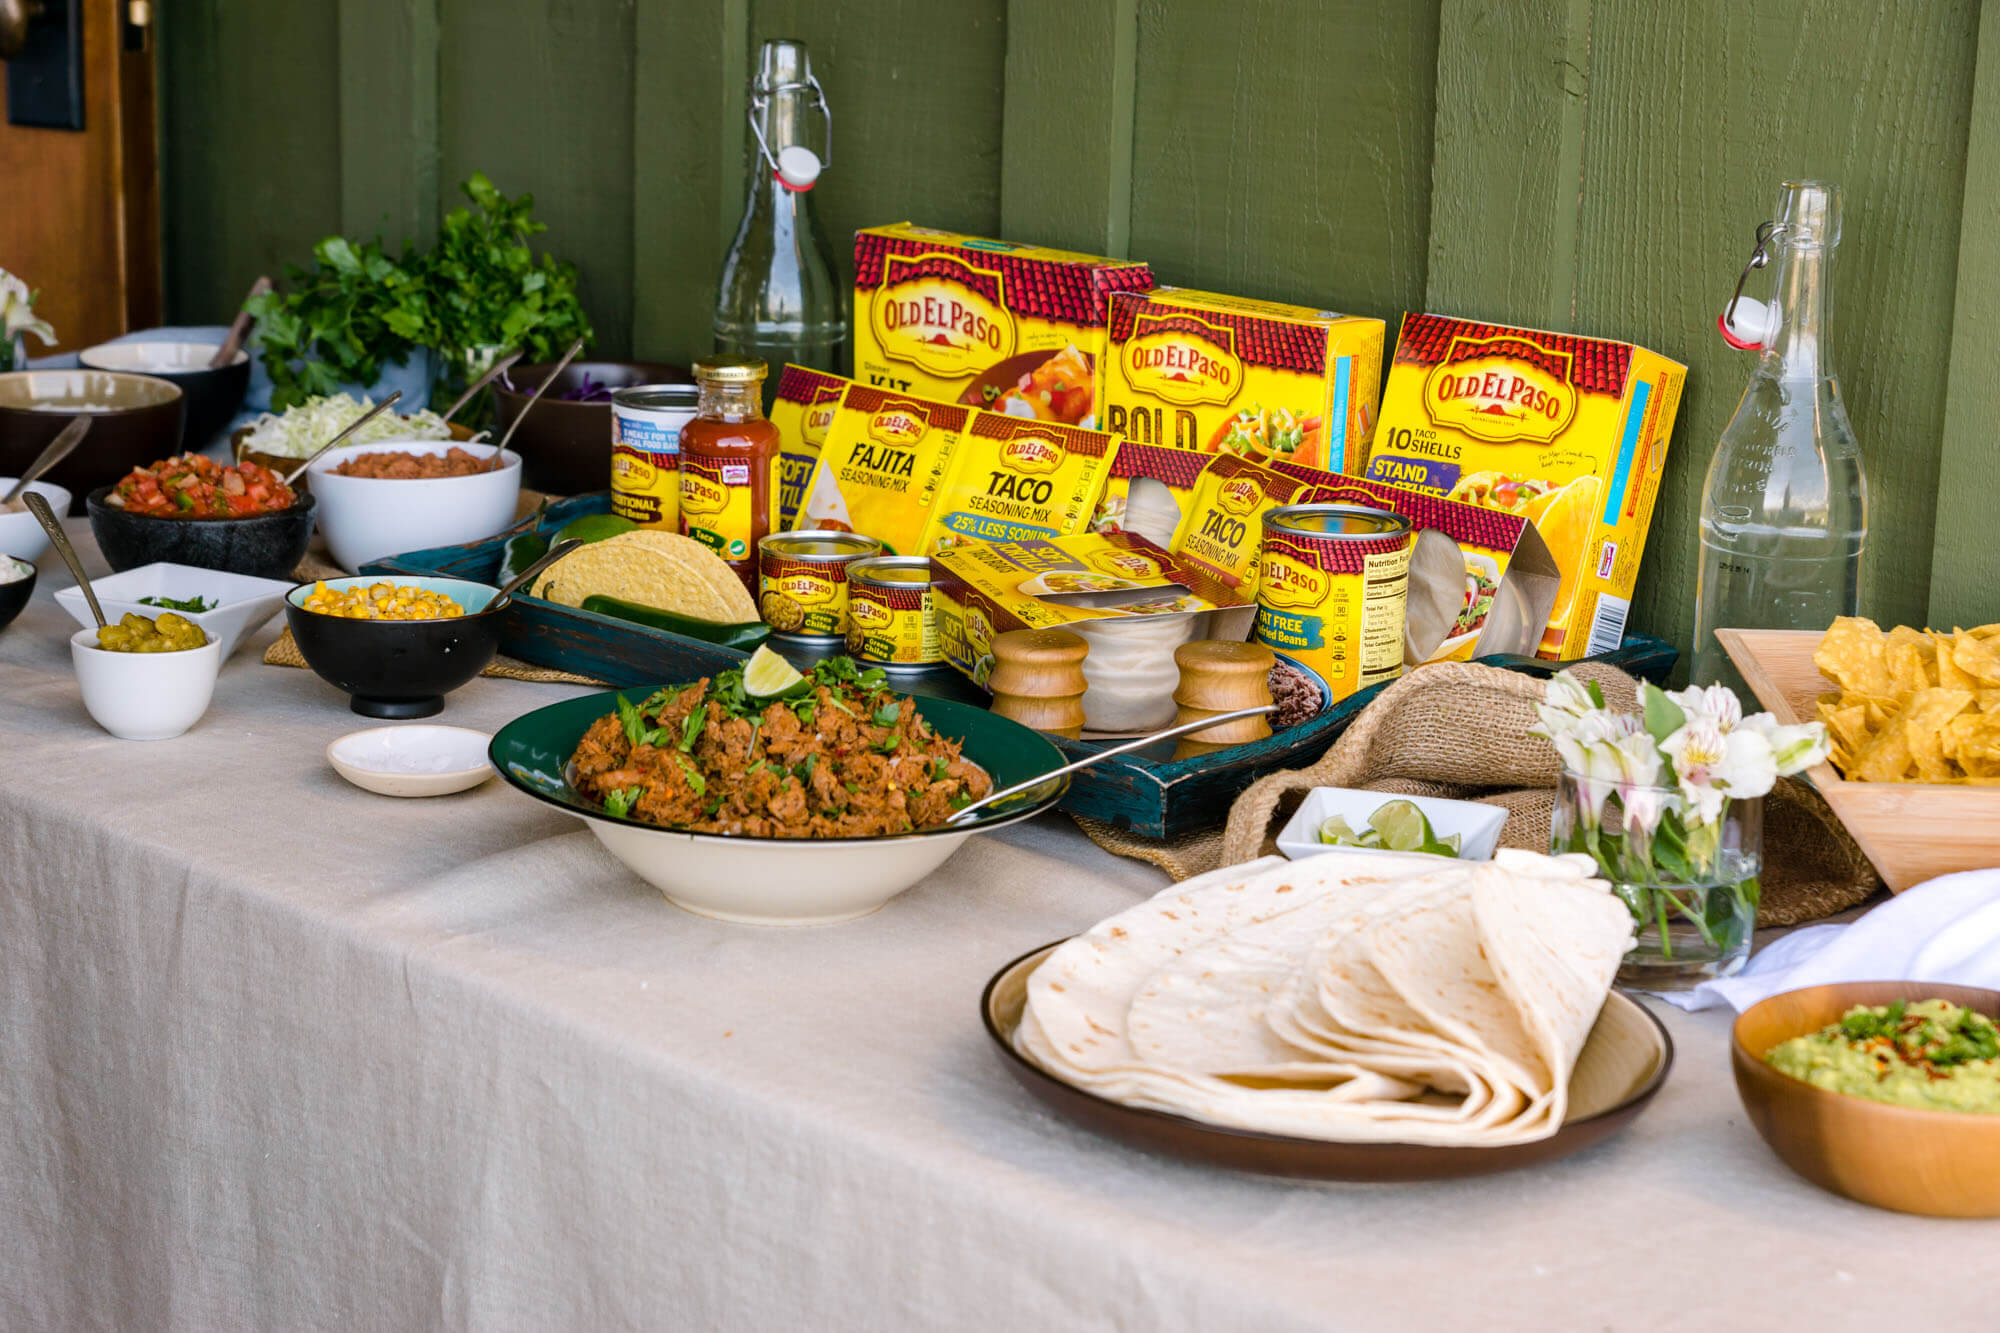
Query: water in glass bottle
{"points": [[1784, 511]]}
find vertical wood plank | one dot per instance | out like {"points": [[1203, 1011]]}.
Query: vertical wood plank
{"points": [[539, 95], [1965, 560], [1066, 137], [1507, 159], [683, 134], [1283, 150], [1696, 112], [389, 119]]}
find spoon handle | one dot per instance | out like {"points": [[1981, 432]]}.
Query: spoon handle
{"points": [[45, 516], [1199, 724], [493, 372], [352, 426], [239, 328], [534, 398], [59, 448]]}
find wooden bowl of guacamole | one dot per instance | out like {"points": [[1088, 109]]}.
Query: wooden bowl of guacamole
{"points": [[1887, 1092]]}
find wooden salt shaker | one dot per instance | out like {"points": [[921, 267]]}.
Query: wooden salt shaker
{"points": [[1220, 677], [1038, 679]]}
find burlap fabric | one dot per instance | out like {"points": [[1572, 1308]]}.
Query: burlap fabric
{"points": [[1457, 730]]}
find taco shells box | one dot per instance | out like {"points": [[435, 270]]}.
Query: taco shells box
{"points": [[1222, 374], [1567, 432], [1015, 328]]}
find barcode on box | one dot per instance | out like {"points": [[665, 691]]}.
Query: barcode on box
{"points": [[1607, 627]]}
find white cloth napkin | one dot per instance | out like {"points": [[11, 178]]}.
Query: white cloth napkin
{"points": [[1946, 929]]}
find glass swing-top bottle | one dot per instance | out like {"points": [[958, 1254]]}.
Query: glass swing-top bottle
{"points": [[1784, 511], [780, 298]]}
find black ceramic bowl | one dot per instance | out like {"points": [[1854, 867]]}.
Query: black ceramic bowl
{"points": [[397, 668], [213, 396], [15, 595], [565, 447], [265, 546]]}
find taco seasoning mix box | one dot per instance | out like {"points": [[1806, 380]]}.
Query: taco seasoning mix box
{"points": [[803, 413], [1569, 433], [1016, 328], [1014, 480], [1222, 374], [882, 467]]}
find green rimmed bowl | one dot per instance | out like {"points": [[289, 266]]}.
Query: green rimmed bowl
{"points": [[774, 881]]}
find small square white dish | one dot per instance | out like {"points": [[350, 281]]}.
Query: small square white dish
{"points": [[243, 603], [1477, 826]]}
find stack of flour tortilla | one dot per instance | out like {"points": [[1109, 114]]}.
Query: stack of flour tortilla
{"points": [[1366, 997]]}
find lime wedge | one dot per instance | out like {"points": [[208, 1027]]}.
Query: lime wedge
{"points": [[1450, 842], [1402, 826], [767, 675], [596, 527], [1337, 832]]}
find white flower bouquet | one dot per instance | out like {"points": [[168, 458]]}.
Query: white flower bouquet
{"points": [[17, 316], [1664, 801]]}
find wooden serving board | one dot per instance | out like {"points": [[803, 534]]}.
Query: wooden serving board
{"points": [[1147, 793], [1912, 831]]}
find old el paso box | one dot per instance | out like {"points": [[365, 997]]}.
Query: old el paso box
{"points": [[1220, 374], [803, 413], [1569, 433], [1014, 328]]}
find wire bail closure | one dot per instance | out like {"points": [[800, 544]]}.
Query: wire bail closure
{"points": [[785, 166], [1760, 255]]}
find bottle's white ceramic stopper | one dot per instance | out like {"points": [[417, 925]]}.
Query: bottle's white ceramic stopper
{"points": [[798, 167], [1750, 323]]}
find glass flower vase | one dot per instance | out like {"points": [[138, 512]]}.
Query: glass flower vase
{"points": [[1687, 874], [13, 353]]}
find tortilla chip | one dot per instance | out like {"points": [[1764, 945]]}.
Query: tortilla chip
{"points": [[1886, 757], [1911, 660], [654, 568], [1950, 675], [1852, 654], [1977, 657]]}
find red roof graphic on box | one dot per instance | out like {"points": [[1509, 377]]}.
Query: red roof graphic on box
{"points": [[1072, 293], [1278, 343], [1595, 366]]}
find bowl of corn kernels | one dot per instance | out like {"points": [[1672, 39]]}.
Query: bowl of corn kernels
{"points": [[394, 646]]}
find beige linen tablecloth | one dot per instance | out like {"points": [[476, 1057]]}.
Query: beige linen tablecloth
{"points": [[277, 1053]]}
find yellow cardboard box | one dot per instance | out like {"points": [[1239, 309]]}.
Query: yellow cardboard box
{"points": [[1567, 432], [963, 319]]}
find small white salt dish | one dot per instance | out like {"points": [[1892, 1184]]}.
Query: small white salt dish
{"points": [[412, 760], [1477, 826], [243, 605], [144, 696]]}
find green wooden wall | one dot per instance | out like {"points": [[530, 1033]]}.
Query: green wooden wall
{"points": [[1591, 165]]}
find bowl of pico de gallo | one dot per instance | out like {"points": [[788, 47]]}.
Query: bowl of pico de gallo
{"points": [[191, 510]]}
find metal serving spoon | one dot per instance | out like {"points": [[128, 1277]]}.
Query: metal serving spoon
{"points": [[533, 398], [45, 516], [59, 448], [494, 372], [352, 426], [993, 798], [520, 580]]}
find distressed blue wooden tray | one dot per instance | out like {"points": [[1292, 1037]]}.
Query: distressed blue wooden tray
{"points": [[1148, 793]]}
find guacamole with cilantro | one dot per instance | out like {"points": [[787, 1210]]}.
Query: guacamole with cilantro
{"points": [[1929, 1054]]}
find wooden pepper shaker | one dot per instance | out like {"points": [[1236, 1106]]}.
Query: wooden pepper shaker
{"points": [[1038, 679], [1220, 677]]}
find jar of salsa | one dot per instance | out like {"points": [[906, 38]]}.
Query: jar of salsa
{"points": [[729, 459]]}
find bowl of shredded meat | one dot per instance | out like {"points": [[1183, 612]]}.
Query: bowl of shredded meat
{"points": [[815, 805]]}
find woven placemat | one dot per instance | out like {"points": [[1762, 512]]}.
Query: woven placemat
{"points": [[285, 653]]}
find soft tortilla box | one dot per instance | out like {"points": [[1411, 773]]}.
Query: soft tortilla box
{"points": [[984, 323], [803, 413], [1568, 432]]}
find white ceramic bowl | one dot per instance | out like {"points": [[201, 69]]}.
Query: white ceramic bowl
{"points": [[155, 356], [1477, 826], [144, 696], [368, 518], [20, 535], [243, 603], [412, 760]]}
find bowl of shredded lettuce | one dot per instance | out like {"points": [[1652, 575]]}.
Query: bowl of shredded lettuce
{"points": [[279, 440]]}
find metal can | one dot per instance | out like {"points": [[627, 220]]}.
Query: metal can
{"points": [[802, 580], [1331, 591], [890, 619], [646, 421]]}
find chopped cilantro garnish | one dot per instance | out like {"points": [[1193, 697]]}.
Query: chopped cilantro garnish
{"points": [[619, 803], [691, 728], [634, 723]]}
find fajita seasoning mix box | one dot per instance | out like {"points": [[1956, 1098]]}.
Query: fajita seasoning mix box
{"points": [[803, 413], [1014, 480], [1225, 375], [882, 467], [1016, 328], [1567, 432]]}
